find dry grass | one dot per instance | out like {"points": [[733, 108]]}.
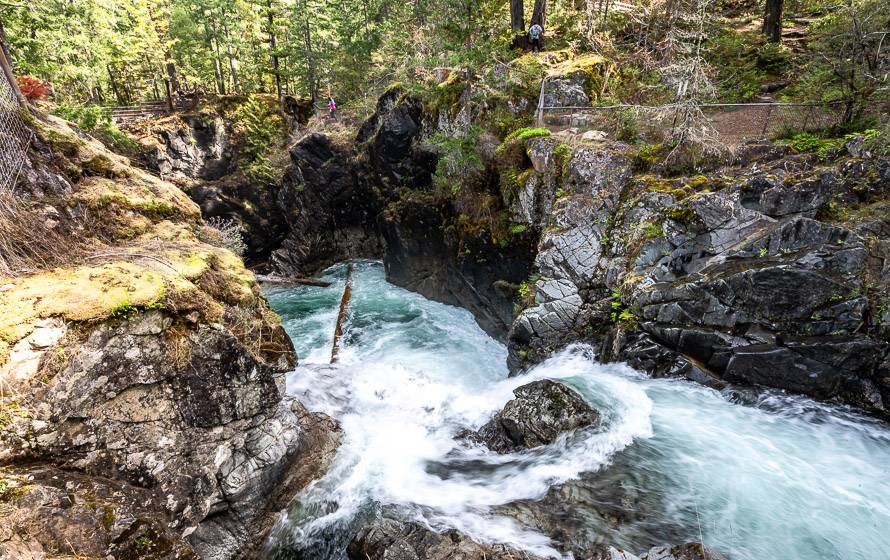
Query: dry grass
{"points": [[28, 240], [177, 346]]}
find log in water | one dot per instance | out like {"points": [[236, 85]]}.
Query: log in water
{"points": [[341, 316]]}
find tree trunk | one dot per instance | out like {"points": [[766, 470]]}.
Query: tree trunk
{"points": [[310, 65], [517, 15], [772, 20], [114, 86], [539, 13], [272, 48], [4, 45]]}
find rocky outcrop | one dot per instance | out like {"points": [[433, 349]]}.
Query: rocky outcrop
{"points": [[199, 149], [541, 412], [425, 254], [331, 211], [388, 538], [144, 380], [771, 275], [253, 207], [380, 201], [571, 258], [47, 509]]}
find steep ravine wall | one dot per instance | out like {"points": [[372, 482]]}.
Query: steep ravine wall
{"points": [[142, 411], [769, 271]]}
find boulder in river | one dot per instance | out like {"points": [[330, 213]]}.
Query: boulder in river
{"points": [[541, 411]]}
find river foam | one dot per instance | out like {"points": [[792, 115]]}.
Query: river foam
{"points": [[778, 474]]}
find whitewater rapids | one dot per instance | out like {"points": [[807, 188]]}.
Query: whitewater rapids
{"points": [[768, 476]]}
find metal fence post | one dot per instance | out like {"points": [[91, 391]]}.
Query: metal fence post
{"points": [[769, 113]]}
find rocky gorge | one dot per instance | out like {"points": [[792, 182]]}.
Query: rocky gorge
{"points": [[766, 270], [149, 410]]}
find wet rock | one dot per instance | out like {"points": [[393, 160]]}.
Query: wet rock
{"points": [[540, 413], [423, 255], [689, 551], [331, 215], [391, 539]]}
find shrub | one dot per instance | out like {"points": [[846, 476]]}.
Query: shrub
{"points": [[628, 126], [459, 162], [225, 233], [261, 130], [33, 88], [97, 121]]}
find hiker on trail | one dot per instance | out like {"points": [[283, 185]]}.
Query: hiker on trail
{"points": [[534, 35], [332, 108]]}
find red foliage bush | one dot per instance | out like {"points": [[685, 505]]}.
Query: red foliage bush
{"points": [[33, 88]]}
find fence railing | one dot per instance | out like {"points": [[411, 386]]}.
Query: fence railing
{"points": [[732, 124], [15, 136]]}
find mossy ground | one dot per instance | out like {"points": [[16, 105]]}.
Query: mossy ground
{"points": [[140, 248]]}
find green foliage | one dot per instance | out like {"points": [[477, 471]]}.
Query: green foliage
{"points": [[527, 291], [849, 62], [523, 134], [262, 133], [628, 126], [144, 543], [824, 144], [97, 121], [459, 162], [744, 62], [652, 229], [123, 310], [621, 314]]}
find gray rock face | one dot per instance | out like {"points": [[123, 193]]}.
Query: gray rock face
{"points": [[567, 90], [198, 150], [541, 411], [571, 256], [748, 282], [65, 512], [198, 420]]}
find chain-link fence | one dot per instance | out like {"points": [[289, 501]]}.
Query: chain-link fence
{"points": [[731, 124], [15, 136]]}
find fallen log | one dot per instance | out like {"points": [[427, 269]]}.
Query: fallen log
{"points": [[341, 315], [272, 279]]}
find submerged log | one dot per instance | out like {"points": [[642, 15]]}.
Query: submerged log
{"points": [[341, 315]]}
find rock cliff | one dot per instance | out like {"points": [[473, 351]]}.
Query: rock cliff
{"points": [[142, 411], [770, 272]]}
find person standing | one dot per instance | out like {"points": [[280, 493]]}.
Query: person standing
{"points": [[534, 35], [332, 108]]}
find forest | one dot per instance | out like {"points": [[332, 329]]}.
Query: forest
{"points": [[105, 52]]}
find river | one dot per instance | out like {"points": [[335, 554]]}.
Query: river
{"points": [[753, 475]]}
